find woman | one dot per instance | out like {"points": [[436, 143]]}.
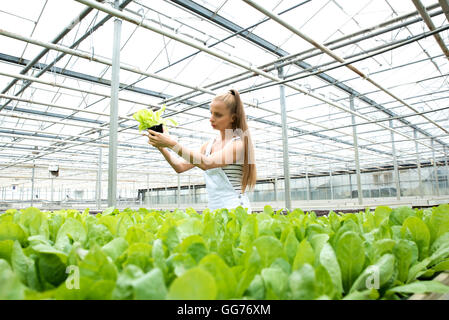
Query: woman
{"points": [[227, 160]]}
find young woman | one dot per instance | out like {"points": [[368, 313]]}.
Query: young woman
{"points": [[227, 160]]}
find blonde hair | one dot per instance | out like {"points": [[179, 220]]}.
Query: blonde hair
{"points": [[239, 125]]}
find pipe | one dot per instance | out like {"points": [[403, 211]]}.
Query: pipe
{"points": [[286, 165], [113, 120], [339, 59], [428, 20]]}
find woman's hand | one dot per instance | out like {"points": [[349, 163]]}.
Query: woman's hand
{"points": [[160, 140]]}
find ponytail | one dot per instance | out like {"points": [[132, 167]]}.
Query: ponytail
{"points": [[240, 126]]}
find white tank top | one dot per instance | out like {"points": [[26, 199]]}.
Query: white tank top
{"points": [[234, 171]]}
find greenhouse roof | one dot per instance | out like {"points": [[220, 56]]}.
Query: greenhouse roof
{"points": [[379, 67]]}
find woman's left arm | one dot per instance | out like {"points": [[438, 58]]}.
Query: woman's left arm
{"points": [[231, 153]]}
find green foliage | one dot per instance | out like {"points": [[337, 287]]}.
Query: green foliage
{"points": [[222, 254], [148, 118]]}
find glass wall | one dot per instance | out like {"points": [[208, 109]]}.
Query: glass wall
{"points": [[379, 184]]}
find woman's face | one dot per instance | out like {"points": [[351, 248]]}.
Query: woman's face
{"points": [[220, 116]]}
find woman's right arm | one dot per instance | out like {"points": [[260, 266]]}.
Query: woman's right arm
{"points": [[178, 164]]}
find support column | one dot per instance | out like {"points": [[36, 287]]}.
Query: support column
{"points": [[418, 164], [307, 180], [356, 153], [350, 183], [275, 183], [178, 196], [98, 186], [190, 192], [288, 201], [113, 120], [52, 190], [32, 182], [435, 168], [395, 164], [148, 190], [330, 182], [447, 169]]}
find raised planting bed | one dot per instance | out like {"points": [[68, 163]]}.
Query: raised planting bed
{"points": [[149, 254]]}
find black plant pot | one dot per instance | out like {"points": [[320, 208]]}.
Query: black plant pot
{"points": [[157, 128]]}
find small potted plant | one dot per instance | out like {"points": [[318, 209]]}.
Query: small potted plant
{"points": [[152, 120]]}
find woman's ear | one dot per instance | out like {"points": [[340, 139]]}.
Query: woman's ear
{"points": [[233, 118]]}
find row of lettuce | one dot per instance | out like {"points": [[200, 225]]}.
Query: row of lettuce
{"points": [[221, 254]]}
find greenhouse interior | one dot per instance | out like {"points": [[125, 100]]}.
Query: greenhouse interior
{"points": [[363, 94], [346, 103]]}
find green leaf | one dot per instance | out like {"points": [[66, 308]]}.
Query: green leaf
{"points": [[256, 289], [275, 281], [442, 266], [189, 227], [6, 249], [422, 287], [302, 283], [398, 215], [439, 255], [158, 255], [151, 286], [73, 229], [147, 118], [304, 254], [375, 275], [282, 264], [115, 248], [195, 246], [249, 231], [138, 234], [371, 294], [34, 222], [381, 213], [351, 258], [124, 288], [269, 249], [417, 269], [98, 234], [194, 284], [324, 284], [24, 267], [10, 286], [51, 270], [97, 266], [419, 234], [12, 231], [251, 267], [224, 278], [180, 263], [317, 241], [328, 260], [406, 253], [383, 246], [139, 254], [439, 222]]}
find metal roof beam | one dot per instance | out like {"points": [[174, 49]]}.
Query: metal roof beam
{"points": [[55, 41], [204, 12], [428, 20], [337, 58]]}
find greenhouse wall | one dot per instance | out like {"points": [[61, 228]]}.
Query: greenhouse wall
{"points": [[379, 184]]}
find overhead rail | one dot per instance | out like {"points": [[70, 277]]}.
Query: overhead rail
{"points": [[338, 58]]}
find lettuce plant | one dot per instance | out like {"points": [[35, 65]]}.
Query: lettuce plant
{"points": [[222, 254], [148, 118]]}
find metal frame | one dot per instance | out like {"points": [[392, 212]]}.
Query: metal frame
{"points": [[306, 138]]}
